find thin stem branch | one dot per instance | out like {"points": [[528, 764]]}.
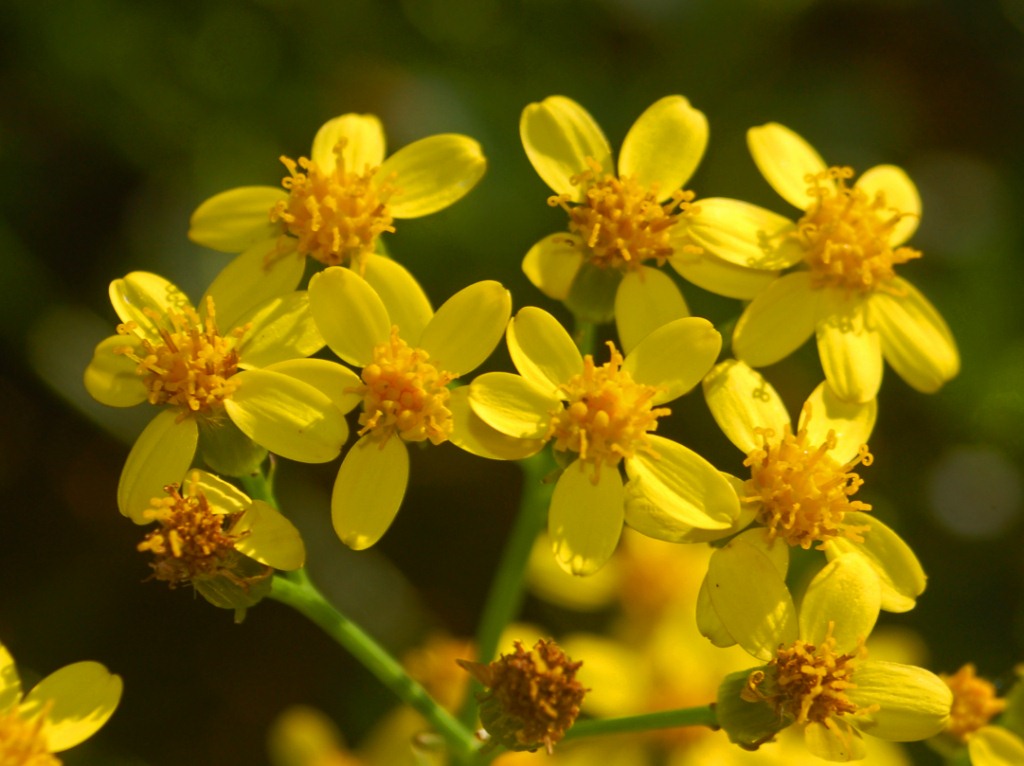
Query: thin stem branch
{"points": [[692, 716]]}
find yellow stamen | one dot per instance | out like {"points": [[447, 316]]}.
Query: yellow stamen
{"points": [[404, 392], [192, 365], [846, 234], [22, 742], [336, 216], [804, 493], [975, 702], [621, 222], [607, 415]]}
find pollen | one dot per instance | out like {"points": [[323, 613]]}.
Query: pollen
{"points": [[22, 742], [191, 364], [804, 492], [621, 221], [846, 234], [974, 702], [807, 683], [532, 697], [336, 216], [404, 392], [607, 415], [192, 539]]}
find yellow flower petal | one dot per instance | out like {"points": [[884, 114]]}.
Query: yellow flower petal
{"points": [[269, 538], [541, 349], [10, 682], [140, 291], [83, 696], [785, 160], [683, 489], [549, 582], [845, 595], [900, 573], [646, 299], [994, 746], [585, 519], [110, 378], [552, 264], [358, 137], [286, 416], [512, 404], [776, 550], [717, 276], [559, 136], [778, 321], [160, 456], [913, 704], [915, 339], [222, 496], [333, 380], [837, 741], [851, 422], [235, 220], [741, 400], [281, 329], [369, 490], [471, 433], [849, 348], [675, 357], [901, 197], [350, 315], [708, 622], [665, 145], [432, 174], [647, 514], [467, 327], [406, 303], [250, 280], [751, 600], [745, 235]]}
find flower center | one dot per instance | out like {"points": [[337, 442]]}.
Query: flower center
{"points": [[621, 221], [192, 539], [974, 702], [192, 365], [807, 683], [22, 742], [804, 492], [337, 216], [846, 234], [607, 415], [403, 391]]}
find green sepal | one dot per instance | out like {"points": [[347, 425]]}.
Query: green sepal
{"points": [[241, 583], [226, 450], [748, 724], [592, 295]]}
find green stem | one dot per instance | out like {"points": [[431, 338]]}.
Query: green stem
{"points": [[585, 334], [298, 592], [666, 719]]}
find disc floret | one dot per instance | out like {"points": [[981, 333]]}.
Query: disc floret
{"points": [[975, 703]]}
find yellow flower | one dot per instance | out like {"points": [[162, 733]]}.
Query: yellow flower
{"points": [[408, 356], [227, 362], [64, 709], [618, 221], [817, 676], [802, 480], [220, 540], [336, 203], [598, 417], [846, 291]]}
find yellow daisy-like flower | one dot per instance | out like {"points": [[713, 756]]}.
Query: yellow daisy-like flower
{"points": [[599, 417], [817, 676], [215, 537], [846, 291], [620, 219], [408, 356], [227, 364], [61, 711], [802, 480], [336, 202]]}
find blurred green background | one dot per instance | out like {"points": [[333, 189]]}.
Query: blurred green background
{"points": [[120, 117]]}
